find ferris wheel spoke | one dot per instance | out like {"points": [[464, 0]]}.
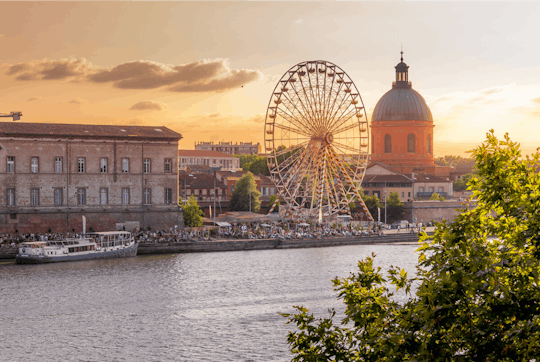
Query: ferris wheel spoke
{"points": [[342, 147], [293, 120], [344, 118], [302, 172], [308, 101], [337, 100], [343, 111], [290, 149], [345, 129], [293, 177], [303, 122], [345, 168], [291, 129]]}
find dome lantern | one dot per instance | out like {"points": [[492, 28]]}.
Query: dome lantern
{"points": [[402, 75]]}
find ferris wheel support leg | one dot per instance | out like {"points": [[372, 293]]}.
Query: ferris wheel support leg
{"points": [[273, 206], [355, 189], [321, 184]]}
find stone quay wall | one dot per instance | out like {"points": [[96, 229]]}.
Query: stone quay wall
{"points": [[265, 244], [251, 244], [426, 211]]}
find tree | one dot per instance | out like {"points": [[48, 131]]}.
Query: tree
{"points": [[436, 197], [241, 194], [372, 203], [456, 162], [461, 183], [477, 297], [394, 208], [193, 215]]}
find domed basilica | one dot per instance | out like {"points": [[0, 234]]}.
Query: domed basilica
{"points": [[402, 129]]}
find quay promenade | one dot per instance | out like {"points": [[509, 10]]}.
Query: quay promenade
{"points": [[226, 244]]}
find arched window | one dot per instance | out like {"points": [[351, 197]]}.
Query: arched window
{"points": [[429, 144], [372, 144], [411, 143], [387, 144]]}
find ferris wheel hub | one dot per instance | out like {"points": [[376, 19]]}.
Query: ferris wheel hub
{"points": [[329, 138]]}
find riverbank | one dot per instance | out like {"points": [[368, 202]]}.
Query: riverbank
{"points": [[221, 245]]}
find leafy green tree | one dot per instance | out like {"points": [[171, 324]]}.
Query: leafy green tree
{"points": [[456, 162], [394, 208], [241, 194], [476, 294], [436, 197], [193, 215], [461, 183], [372, 203], [273, 198]]}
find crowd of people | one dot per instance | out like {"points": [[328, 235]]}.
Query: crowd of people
{"points": [[255, 230]]}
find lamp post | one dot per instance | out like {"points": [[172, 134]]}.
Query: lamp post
{"points": [[249, 198], [214, 201], [385, 203]]}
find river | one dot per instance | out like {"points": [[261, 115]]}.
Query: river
{"points": [[177, 307]]}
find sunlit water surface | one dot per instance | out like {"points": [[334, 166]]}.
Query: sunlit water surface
{"points": [[179, 307]]}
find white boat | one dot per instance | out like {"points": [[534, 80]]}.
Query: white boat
{"points": [[99, 245]]}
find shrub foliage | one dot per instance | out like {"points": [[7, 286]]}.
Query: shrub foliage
{"points": [[477, 294]]}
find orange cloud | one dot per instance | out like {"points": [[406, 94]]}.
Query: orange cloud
{"points": [[148, 105], [201, 76]]}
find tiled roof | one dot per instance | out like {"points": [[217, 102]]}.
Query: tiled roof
{"points": [[85, 130], [386, 178], [199, 181], [197, 153]]}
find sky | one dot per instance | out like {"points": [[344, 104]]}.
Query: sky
{"points": [[208, 69]]}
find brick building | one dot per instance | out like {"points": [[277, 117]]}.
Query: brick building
{"points": [[242, 148], [52, 174], [402, 129]]}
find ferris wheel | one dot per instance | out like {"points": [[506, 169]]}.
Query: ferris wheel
{"points": [[316, 140]]}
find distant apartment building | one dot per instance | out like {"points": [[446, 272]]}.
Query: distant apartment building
{"points": [[53, 174], [212, 159], [201, 186], [242, 148]]}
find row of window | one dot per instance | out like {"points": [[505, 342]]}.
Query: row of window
{"points": [[81, 196], [378, 194], [81, 165], [206, 161], [386, 184], [411, 143]]}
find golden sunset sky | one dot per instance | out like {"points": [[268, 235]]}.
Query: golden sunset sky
{"points": [[208, 69]]}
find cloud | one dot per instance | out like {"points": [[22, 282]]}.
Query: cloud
{"points": [[35, 99], [77, 101], [492, 90], [201, 76], [50, 69], [148, 105], [536, 100]]}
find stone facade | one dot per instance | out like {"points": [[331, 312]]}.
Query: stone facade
{"points": [[52, 174], [223, 161], [242, 148]]}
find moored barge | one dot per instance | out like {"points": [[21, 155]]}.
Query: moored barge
{"points": [[98, 245]]}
